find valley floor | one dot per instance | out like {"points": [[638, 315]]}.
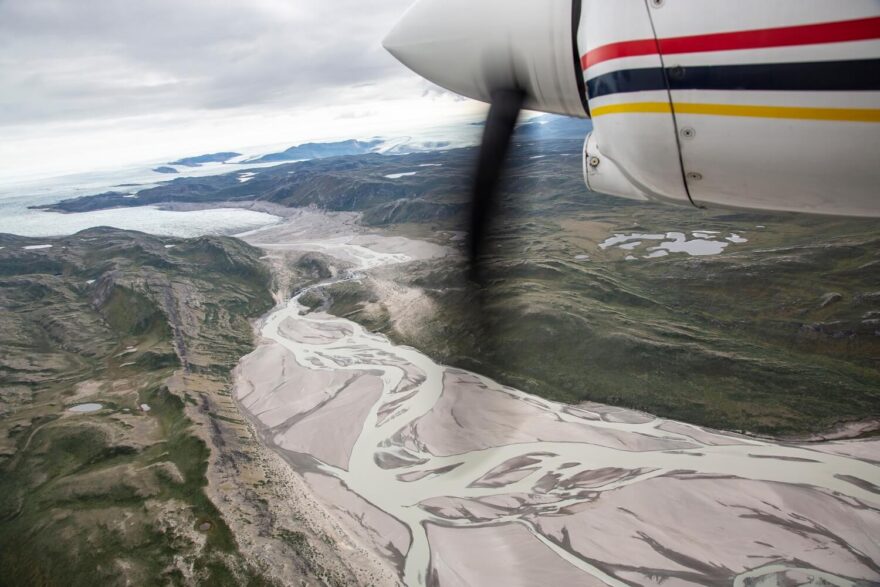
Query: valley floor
{"points": [[432, 475]]}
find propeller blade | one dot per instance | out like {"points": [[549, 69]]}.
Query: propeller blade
{"points": [[497, 135]]}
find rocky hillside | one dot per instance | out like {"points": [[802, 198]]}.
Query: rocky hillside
{"points": [[773, 329], [102, 465], [387, 189], [776, 331]]}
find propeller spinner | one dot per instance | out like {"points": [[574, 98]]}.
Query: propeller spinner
{"points": [[476, 48]]}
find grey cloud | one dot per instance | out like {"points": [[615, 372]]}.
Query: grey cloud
{"points": [[81, 60]]}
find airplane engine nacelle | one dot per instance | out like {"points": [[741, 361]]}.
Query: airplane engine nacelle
{"points": [[749, 104]]}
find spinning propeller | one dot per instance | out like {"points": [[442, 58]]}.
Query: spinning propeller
{"points": [[513, 55], [497, 135]]}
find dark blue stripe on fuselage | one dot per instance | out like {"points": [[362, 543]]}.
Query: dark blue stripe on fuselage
{"points": [[823, 76]]}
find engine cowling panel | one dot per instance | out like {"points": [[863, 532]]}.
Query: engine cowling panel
{"points": [[736, 104], [750, 104]]}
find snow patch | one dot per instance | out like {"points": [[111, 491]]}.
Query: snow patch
{"points": [[695, 248], [618, 239], [85, 408], [703, 243]]}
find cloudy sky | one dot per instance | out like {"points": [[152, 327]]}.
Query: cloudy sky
{"points": [[87, 84]]}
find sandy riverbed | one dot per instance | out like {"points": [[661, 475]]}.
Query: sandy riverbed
{"points": [[446, 477]]}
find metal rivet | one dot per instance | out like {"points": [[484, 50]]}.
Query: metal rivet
{"points": [[688, 133], [694, 176], [676, 72], [656, 3], [594, 162]]}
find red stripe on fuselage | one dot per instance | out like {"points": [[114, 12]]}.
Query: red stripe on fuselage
{"points": [[810, 34]]}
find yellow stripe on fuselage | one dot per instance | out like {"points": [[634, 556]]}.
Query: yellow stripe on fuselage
{"points": [[790, 112]]}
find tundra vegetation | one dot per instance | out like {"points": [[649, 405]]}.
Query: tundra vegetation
{"points": [[147, 330], [779, 334]]}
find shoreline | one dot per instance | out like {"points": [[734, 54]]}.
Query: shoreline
{"points": [[865, 429]]}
